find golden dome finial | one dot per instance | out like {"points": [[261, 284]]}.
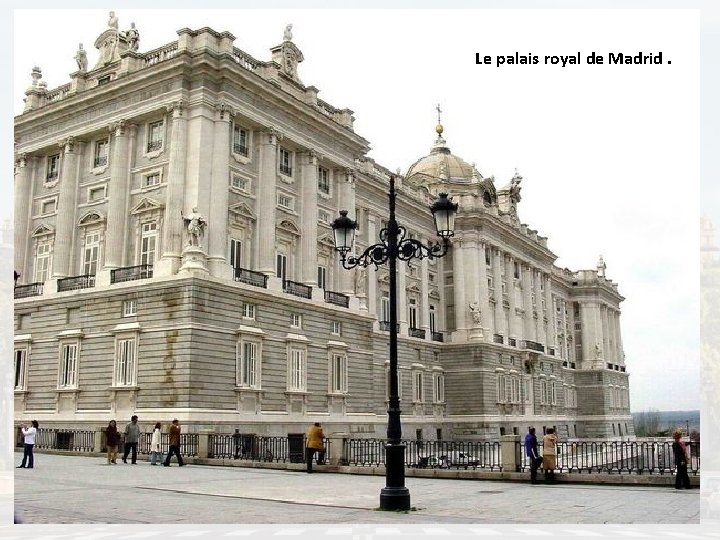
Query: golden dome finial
{"points": [[439, 127]]}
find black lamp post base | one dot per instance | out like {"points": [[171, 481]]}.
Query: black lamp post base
{"points": [[394, 498]]}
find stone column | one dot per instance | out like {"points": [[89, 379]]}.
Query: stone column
{"points": [[478, 286], [591, 336], [23, 197], [371, 273], [309, 217], [461, 325], [264, 246], [513, 330], [66, 211], [173, 225], [130, 230], [424, 296], [551, 333], [217, 221], [605, 333], [346, 201], [528, 323], [402, 303], [539, 322], [570, 332], [497, 258], [117, 198]]}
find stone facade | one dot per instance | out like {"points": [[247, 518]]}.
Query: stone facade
{"points": [[249, 321]]}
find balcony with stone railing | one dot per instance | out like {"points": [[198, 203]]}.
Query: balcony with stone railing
{"points": [[29, 290]]}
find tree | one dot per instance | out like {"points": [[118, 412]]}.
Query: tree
{"points": [[647, 423]]}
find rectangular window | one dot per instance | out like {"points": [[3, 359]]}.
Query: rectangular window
{"points": [[68, 365], [285, 162], [96, 194], [438, 388], [91, 254], [384, 308], [324, 217], [516, 270], [235, 253], [148, 243], [155, 136], [48, 207], [248, 364], [248, 311], [418, 380], [239, 182], [296, 320], [337, 327], [399, 383], [323, 180], [321, 277], [125, 362], [338, 374], [240, 141], [20, 364], [281, 266], [42, 263], [101, 153], [490, 283], [412, 313], [488, 256], [152, 179], [296, 369], [53, 167], [130, 307], [286, 201], [432, 318]]}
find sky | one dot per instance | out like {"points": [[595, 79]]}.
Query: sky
{"points": [[610, 154]]}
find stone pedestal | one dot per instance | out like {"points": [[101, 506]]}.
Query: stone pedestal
{"points": [[476, 334], [194, 261]]}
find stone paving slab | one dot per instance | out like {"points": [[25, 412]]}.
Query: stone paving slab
{"points": [[78, 489]]}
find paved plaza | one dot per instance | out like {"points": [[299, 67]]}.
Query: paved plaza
{"points": [[81, 489]]}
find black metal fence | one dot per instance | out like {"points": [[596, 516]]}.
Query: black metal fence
{"points": [[621, 457], [75, 283], [256, 279], [63, 439], [297, 289], [188, 443], [131, 273], [249, 447], [427, 454]]}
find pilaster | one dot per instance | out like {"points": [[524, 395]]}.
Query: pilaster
{"points": [[217, 226], [23, 196], [173, 223], [461, 325], [346, 201], [371, 274], [514, 330], [497, 263], [308, 217], [66, 210], [424, 296], [264, 245], [528, 323], [117, 198]]}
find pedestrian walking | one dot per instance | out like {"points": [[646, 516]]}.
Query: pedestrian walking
{"points": [[174, 448], [549, 458], [29, 434], [531, 451], [132, 436], [680, 453], [112, 438], [155, 451], [315, 443], [236, 440]]}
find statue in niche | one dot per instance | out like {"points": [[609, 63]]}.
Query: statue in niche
{"points": [[81, 58], [287, 35], [360, 281], [133, 37], [598, 352], [476, 314], [195, 224]]}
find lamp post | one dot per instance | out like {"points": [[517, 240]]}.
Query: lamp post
{"points": [[395, 245]]}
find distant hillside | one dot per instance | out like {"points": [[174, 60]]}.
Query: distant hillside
{"points": [[669, 420]]}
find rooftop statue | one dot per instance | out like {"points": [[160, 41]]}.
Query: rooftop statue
{"points": [[133, 37], [81, 58], [287, 36], [113, 21]]}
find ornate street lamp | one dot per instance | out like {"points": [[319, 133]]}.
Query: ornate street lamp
{"points": [[395, 245]]}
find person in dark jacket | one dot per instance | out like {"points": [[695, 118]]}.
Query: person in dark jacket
{"points": [[531, 451], [132, 436], [174, 447], [680, 453], [112, 438]]}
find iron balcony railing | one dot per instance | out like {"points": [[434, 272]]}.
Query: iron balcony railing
{"points": [[551, 351], [286, 170], [532, 345], [297, 289], [75, 283], [26, 291], [256, 279], [100, 161], [131, 273], [498, 338], [621, 457], [416, 332], [512, 342], [385, 326], [153, 146], [336, 298], [437, 336]]}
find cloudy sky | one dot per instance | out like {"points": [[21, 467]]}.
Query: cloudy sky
{"points": [[609, 153]]}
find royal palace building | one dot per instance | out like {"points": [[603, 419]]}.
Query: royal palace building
{"points": [[176, 259]]}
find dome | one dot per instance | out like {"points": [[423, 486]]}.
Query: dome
{"points": [[441, 166]]}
